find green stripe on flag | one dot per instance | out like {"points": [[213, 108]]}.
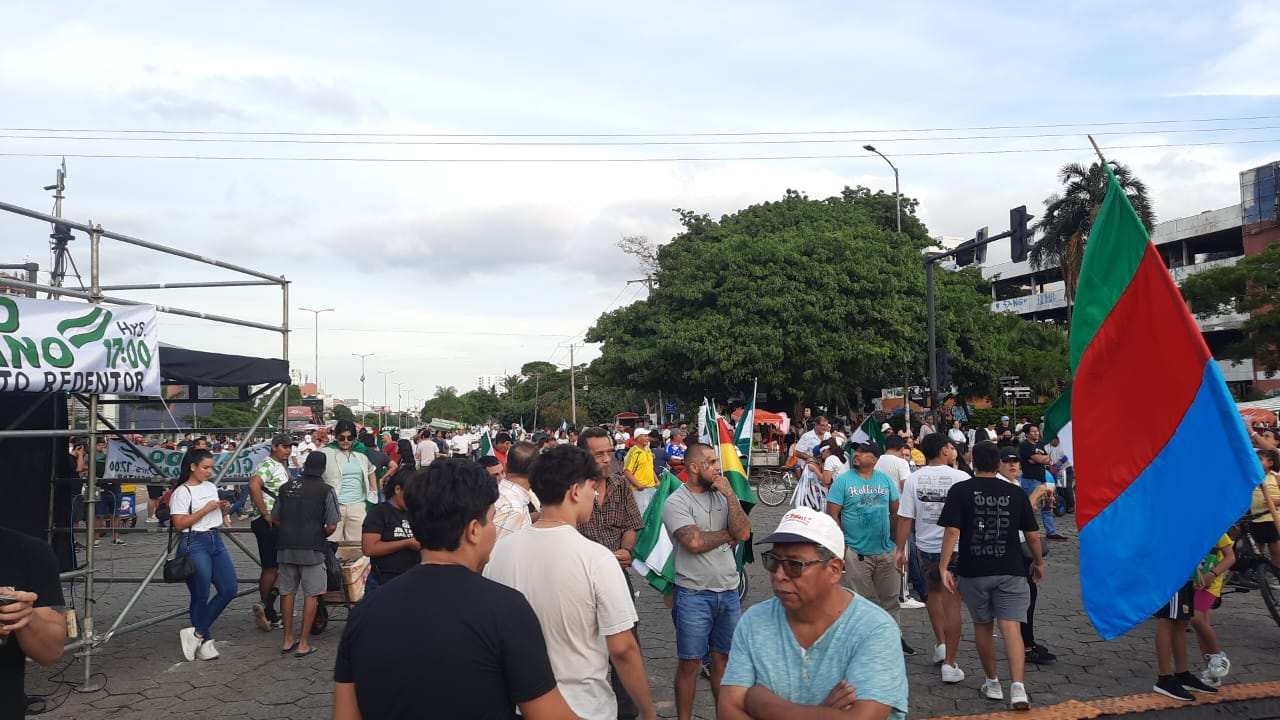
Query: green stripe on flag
{"points": [[1107, 268]]}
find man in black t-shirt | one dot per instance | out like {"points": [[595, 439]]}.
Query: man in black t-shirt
{"points": [[31, 625], [985, 514], [1035, 463], [442, 641]]}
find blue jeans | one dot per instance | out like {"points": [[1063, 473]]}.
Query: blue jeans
{"points": [[705, 620], [213, 566], [1046, 515]]}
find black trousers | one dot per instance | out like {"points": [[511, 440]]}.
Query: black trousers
{"points": [[1028, 629], [627, 709]]}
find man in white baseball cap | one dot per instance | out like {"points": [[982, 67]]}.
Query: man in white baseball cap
{"points": [[852, 657]]}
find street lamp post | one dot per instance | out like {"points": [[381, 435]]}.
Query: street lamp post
{"points": [[362, 356], [381, 420], [399, 406], [316, 379], [897, 199]]}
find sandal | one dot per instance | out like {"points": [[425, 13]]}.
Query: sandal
{"points": [[312, 651], [291, 648]]}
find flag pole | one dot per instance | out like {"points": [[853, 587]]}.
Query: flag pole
{"points": [[1094, 143]]}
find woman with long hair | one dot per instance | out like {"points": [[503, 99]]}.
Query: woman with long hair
{"points": [[196, 511]]}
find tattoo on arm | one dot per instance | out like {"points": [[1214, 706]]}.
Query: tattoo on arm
{"points": [[698, 542], [739, 525]]}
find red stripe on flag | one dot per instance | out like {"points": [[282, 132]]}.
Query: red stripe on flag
{"points": [[1133, 386]]}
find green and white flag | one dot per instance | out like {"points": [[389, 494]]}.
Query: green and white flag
{"points": [[654, 557], [486, 444], [1057, 422], [868, 431], [746, 426]]}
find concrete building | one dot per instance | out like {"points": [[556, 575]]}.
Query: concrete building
{"points": [[1189, 245], [489, 382]]}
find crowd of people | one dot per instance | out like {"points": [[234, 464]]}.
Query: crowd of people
{"points": [[506, 574]]}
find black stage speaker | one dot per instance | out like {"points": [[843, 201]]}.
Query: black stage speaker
{"points": [[28, 466]]}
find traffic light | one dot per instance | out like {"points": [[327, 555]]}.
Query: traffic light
{"points": [[970, 251], [944, 370], [1020, 237]]}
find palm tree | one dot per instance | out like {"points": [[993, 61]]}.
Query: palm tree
{"points": [[1068, 218]]}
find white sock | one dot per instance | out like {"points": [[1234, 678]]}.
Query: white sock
{"points": [[993, 681], [1016, 684]]}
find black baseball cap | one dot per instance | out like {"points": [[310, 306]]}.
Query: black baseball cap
{"points": [[1008, 455], [282, 439], [872, 448]]}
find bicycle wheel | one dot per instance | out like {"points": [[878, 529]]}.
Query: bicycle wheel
{"points": [[773, 490], [1269, 585], [743, 585]]}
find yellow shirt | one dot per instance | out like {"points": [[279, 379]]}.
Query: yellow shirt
{"points": [[639, 462], [1259, 502], [1210, 562], [917, 457]]}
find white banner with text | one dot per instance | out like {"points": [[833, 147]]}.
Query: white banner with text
{"points": [[58, 346]]}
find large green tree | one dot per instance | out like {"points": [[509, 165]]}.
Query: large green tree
{"points": [[1068, 217], [1251, 286], [818, 299]]}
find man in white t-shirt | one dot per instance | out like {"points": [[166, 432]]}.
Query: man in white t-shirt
{"points": [[923, 495], [809, 441], [459, 444], [620, 439], [425, 450], [581, 599], [894, 464]]}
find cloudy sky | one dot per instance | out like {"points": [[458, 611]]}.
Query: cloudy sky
{"points": [[451, 178]]}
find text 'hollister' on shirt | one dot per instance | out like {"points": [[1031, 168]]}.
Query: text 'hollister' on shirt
{"points": [[864, 510]]}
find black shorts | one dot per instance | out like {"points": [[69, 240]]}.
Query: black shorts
{"points": [[155, 492], [1179, 607], [1264, 533], [268, 535]]}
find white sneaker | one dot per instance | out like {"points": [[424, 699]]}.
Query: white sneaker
{"points": [[939, 653], [951, 674], [1208, 678], [1018, 699], [911, 604], [1218, 665], [207, 651], [190, 643], [991, 690], [151, 520]]}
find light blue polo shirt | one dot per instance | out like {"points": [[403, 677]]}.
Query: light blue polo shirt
{"points": [[863, 647], [864, 510]]}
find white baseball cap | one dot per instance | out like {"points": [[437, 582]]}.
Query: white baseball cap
{"points": [[807, 525], [640, 431]]}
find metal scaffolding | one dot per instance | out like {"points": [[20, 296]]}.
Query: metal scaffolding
{"points": [[90, 640]]}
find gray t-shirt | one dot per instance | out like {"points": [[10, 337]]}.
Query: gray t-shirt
{"points": [[715, 569], [309, 557]]}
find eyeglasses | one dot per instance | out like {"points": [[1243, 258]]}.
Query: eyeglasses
{"points": [[347, 438], [793, 568]]}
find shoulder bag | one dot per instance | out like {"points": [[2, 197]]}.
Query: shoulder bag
{"points": [[178, 569]]}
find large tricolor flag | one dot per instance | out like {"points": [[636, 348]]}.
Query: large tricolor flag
{"points": [[868, 431], [1152, 496]]}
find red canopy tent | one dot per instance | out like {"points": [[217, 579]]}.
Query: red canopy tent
{"points": [[1258, 416], [763, 417]]}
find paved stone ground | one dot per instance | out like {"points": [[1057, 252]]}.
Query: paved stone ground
{"points": [[145, 676]]}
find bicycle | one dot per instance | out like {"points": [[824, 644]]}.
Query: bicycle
{"points": [[775, 486], [1253, 570]]}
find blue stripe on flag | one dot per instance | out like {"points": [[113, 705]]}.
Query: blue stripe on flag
{"points": [[1146, 544]]}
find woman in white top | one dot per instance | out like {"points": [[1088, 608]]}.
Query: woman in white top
{"points": [[196, 511]]}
